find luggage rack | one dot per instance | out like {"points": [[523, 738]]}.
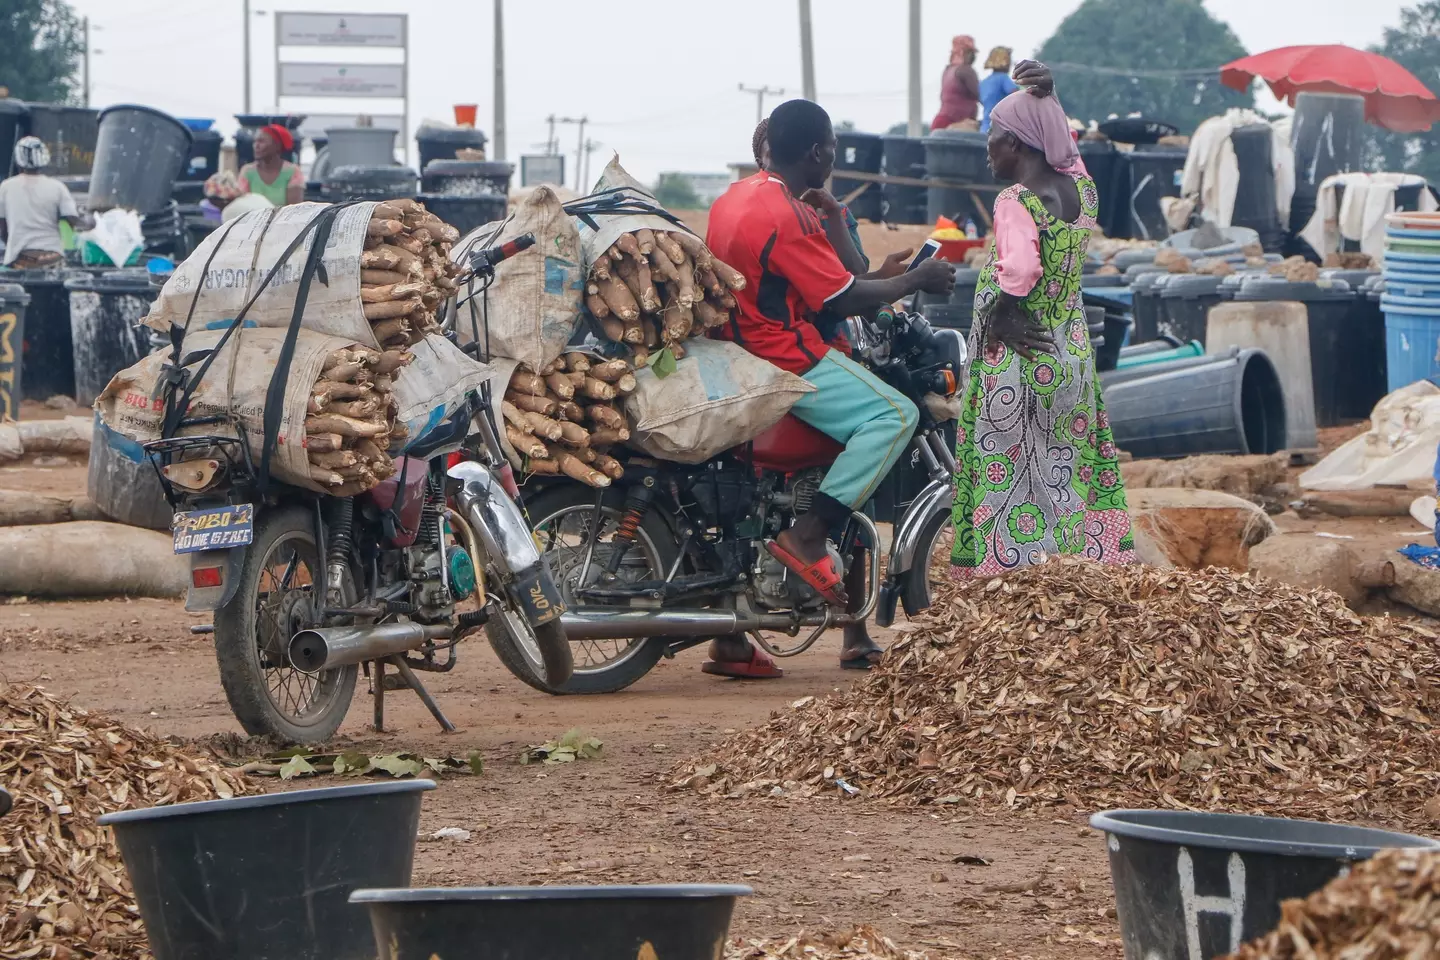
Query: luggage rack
{"points": [[163, 453]]}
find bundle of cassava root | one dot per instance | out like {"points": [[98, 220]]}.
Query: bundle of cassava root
{"points": [[564, 419], [655, 288], [406, 272], [350, 420]]}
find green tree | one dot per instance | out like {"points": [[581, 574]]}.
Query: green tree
{"points": [[674, 192], [1415, 45], [40, 50], [1127, 56]]}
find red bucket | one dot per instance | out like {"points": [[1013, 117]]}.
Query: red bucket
{"points": [[465, 114]]}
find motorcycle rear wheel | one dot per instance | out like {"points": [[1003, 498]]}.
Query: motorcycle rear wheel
{"points": [[604, 666], [274, 600]]}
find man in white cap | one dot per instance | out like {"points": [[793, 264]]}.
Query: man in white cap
{"points": [[31, 208]]}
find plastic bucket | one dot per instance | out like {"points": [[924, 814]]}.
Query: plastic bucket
{"points": [[122, 482], [47, 356], [70, 133], [467, 178], [680, 922], [139, 154], [13, 301], [13, 114], [1192, 886], [1255, 205], [1328, 132], [361, 146], [266, 877], [1229, 403], [465, 114], [370, 183], [442, 143], [105, 330], [204, 156], [904, 157], [1149, 173], [1412, 342], [465, 213], [959, 156], [863, 152], [1187, 299]]}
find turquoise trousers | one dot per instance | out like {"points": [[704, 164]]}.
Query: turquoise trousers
{"points": [[854, 407]]}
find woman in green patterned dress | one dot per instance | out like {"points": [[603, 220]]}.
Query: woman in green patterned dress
{"points": [[1038, 472]]}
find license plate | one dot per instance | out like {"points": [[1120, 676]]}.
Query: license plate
{"points": [[218, 528]]}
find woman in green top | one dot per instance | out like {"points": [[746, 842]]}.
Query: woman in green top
{"points": [[272, 176]]}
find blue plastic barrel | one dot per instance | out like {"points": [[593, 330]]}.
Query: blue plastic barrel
{"points": [[1412, 340]]}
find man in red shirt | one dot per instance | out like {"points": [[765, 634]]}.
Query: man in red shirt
{"points": [[764, 227]]}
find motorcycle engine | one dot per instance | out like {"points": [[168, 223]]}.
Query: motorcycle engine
{"points": [[725, 492], [423, 558], [776, 588]]}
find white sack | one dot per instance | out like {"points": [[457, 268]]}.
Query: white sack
{"points": [[719, 397], [534, 304], [1399, 449], [248, 249]]}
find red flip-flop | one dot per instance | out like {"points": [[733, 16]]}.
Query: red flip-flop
{"points": [[759, 667], [821, 576]]}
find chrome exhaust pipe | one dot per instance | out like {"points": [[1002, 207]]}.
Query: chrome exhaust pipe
{"points": [[326, 648], [608, 623]]}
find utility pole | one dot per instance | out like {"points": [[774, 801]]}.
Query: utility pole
{"points": [[85, 27], [916, 124], [760, 93], [807, 52], [590, 147], [498, 131], [247, 56], [579, 146], [552, 146]]}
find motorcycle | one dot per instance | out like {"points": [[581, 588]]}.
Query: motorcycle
{"points": [[307, 589], [672, 555]]}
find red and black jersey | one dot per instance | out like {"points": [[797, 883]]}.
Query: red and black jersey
{"points": [[791, 271]]}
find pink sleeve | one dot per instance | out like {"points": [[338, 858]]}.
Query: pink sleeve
{"points": [[1017, 248]]}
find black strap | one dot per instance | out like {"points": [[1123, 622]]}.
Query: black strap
{"points": [[323, 224]]}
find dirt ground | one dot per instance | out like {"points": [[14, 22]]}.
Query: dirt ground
{"points": [[1044, 892]]}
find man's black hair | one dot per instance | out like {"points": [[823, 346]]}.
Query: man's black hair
{"points": [[795, 127]]}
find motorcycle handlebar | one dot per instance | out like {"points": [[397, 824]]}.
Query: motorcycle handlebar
{"points": [[487, 259]]}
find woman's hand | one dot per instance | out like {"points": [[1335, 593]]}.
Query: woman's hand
{"points": [[1035, 77], [1008, 323]]}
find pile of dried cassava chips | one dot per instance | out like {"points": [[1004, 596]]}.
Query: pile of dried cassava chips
{"points": [[63, 890], [1387, 908], [1074, 684]]}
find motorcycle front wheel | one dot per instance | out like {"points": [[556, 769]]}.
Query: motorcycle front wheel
{"points": [[564, 521], [276, 598]]}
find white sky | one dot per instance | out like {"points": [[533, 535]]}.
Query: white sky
{"points": [[657, 80]]}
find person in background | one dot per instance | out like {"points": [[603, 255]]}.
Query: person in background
{"points": [[220, 189], [997, 86], [32, 206], [270, 175], [763, 228], [959, 87], [1039, 474]]}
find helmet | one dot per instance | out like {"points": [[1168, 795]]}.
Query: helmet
{"points": [[31, 153]]}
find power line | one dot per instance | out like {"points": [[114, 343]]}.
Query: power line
{"points": [[760, 93]]}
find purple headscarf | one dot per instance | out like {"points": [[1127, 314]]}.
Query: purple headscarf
{"points": [[1039, 122]]}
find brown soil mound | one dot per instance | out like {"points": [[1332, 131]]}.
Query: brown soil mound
{"points": [[1388, 908], [63, 890], [1075, 684]]}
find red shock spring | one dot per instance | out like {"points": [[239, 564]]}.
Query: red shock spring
{"points": [[629, 528]]}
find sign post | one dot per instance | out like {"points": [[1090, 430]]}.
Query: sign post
{"points": [[325, 80]]}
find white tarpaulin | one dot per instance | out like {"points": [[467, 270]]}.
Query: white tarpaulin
{"points": [[1398, 450]]}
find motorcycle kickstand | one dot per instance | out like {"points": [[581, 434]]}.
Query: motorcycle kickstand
{"points": [[413, 682]]}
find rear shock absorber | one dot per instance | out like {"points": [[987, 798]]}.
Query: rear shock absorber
{"points": [[637, 503], [337, 556]]}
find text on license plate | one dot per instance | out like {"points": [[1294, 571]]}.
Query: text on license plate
{"points": [[218, 528]]}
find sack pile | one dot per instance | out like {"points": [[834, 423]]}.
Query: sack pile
{"points": [[405, 271], [562, 419]]}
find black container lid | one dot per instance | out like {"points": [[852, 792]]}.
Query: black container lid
{"points": [[1102, 280], [969, 138], [129, 280], [1137, 270], [14, 107], [1278, 288], [1191, 286], [852, 135], [473, 894], [13, 293], [469, 168], [1137, 130], [264, 800], [289, 121], [1358, 279], [462, 135]]}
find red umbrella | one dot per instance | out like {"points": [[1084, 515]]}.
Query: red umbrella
{"points": [[1394, 98]]}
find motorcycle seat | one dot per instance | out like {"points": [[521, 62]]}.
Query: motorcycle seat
{"points": [[792, 445], [442, 438]]}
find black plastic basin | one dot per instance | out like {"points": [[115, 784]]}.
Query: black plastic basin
{"points": [[268, 877], [679, 922], [1191, 886]]}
